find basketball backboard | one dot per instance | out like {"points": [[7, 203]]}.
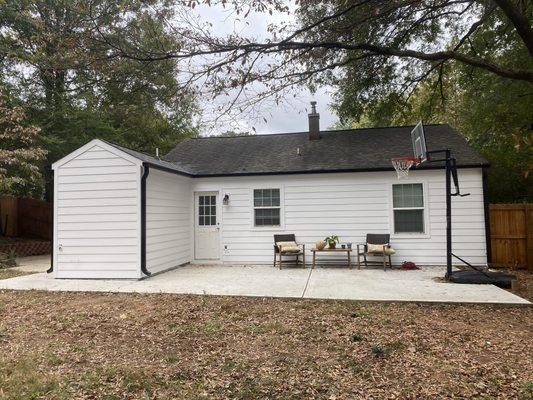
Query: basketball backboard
{"points": [[419, 143]]}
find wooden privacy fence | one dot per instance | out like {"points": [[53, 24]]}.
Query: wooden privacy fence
{"points": [[26, 217], [511, 234]]}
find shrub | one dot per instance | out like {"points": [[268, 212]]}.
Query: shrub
{"points": [[8, 260]]}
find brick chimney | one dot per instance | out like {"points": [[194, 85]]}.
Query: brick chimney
{"points": [[314, 123]]}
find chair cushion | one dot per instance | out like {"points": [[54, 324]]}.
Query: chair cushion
{"points": [[378, 248], [389, 251], [288, 247]]}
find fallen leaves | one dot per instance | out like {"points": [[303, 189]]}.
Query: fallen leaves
{"points": [[93, 345]]}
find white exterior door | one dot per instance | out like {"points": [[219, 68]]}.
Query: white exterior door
{"points": [[206, 231]]}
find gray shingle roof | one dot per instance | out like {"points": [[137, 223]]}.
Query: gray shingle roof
{"points": [[342, 150], [173, 166]]}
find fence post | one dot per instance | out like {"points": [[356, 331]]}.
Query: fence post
{"points": [[8, 213]]}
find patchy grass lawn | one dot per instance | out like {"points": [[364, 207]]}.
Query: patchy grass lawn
{"points": [[6, 273], [132, 346]]}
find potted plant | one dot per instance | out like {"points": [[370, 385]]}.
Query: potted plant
{"points": [[332, 241]]}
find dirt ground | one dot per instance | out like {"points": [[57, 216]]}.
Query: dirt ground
{"points": [[523, 286], [132, 346]]}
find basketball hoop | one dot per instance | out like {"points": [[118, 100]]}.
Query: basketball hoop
{"points": [[402, 165]]}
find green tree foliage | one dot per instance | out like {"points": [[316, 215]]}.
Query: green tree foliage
{"points": [[494, 113], [20, 154], [495, 116], [55, 62]]}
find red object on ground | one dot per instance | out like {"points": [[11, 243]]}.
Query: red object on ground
{"points": [[409, 265]]}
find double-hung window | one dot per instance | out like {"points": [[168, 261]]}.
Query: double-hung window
{"points": [[408, 208], [267, 207]]}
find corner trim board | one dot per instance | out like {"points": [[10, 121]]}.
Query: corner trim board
{"points": [[485, 175]]}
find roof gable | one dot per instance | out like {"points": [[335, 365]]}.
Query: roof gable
{"points": [[154, 161], [95, 143]]}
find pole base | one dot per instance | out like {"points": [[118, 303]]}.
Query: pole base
{"points": [[501, 279]]}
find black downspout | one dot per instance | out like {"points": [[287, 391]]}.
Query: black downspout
{"points": [[146, 171], [51, 269], [485, 172], [448, 215]]}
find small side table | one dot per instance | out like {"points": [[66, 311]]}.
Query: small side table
{"points": [[347, 250]]}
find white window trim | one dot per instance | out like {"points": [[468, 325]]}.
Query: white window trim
{"points": [[281, 209], [414, 235]]}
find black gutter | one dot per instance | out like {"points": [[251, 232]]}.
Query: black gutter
{"points": [[297, 172], [146, 171], [330, 171], [485, 172]]}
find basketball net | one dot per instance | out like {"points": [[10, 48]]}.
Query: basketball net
{"points": [[402, 165]]}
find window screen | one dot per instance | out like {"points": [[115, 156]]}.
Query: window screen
{"points": [[408, 208], [267, 209]]}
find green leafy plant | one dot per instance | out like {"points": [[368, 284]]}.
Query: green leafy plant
{"points": [[378, 350], [332, 238]]}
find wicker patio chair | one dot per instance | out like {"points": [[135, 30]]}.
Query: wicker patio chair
{"points": [[288, 250], [378, 245]]}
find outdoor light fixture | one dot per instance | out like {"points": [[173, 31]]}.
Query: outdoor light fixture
{"points": [[225, 200]]}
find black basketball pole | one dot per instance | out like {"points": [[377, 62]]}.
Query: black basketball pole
{"points": [[448, 167]]}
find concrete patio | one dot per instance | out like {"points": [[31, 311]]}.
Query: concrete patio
{"points": [[422, 285]]}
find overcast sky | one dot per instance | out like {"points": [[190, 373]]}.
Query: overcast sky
{"points": [[290, 116]]}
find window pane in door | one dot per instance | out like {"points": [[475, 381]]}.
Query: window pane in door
{"points": [[207, 210]]}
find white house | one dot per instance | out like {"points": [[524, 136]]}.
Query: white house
{"points": [[122, 214]]}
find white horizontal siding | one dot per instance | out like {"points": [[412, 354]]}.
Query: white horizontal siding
{"points": [[97, 216], [350, 205], [168, 221]]}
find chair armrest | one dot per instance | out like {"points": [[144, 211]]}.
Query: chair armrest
{"points": [[359, 245]]}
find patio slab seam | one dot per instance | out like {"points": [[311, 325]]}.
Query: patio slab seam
{"points": [[307, 282]]}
